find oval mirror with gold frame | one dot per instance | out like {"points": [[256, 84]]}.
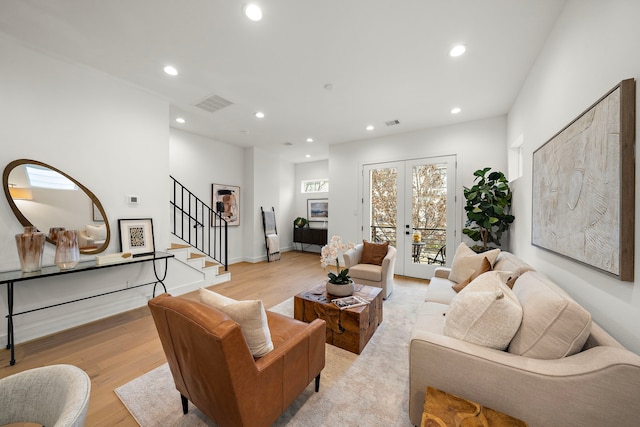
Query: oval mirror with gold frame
{"points": [[47, 198]]}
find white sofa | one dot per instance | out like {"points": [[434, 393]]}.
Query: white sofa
{"points": [[599, 385]]}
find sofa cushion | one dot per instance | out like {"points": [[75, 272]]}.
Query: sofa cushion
{"points": [[440, 290], [373, 253], [466, 262], [367, 272], [553, 324], [507, 261], [250, 315], [486, 312], [484, 267]]}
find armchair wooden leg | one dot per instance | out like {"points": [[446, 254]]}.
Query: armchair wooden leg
{"points": [[185, 404], [318, 383]]}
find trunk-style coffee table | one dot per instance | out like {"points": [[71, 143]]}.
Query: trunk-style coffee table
{"points": [[351, 328]]}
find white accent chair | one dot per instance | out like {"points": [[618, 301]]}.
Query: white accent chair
{"points": [[54, 396], [380, 276]]}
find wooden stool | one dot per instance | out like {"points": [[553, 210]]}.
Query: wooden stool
{"points": [[446, 410]]}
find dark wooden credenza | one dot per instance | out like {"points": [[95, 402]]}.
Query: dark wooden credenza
{"points": [[309, 236]]}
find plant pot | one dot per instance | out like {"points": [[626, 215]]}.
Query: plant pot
{"points": [[340, 290]]}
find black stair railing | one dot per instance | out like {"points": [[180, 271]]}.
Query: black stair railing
{"points": [[195, 223]]}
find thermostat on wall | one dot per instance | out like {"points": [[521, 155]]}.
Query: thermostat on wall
{"points": [[133, 200]]}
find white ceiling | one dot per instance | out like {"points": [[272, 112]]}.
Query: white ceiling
{"points": [[387, 60]]}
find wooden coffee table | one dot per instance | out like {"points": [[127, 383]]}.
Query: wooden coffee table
{"points": [[351, 328]]}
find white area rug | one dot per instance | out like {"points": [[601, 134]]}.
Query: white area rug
{"points": [[371, 389]]}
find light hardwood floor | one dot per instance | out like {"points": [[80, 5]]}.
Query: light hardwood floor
{"points": [[115, 350]]}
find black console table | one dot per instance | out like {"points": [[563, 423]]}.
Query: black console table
{"points": [[12, 277], [310, 236]]}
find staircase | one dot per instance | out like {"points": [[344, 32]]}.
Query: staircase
{"points": [[200, 262]]}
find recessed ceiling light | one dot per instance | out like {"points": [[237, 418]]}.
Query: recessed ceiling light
{"points": [[252, 11], [259, 114], [307, 155], [455, 110], [171, 70], [309, 139], [370, 127], [458, 50], [181, 120]]}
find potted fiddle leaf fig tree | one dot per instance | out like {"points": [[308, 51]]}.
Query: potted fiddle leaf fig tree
{"points": [[488, 203]]}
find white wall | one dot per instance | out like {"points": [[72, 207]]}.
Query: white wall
{"points": [[476, 144], [592, 48], [108, 135], [198, 162], [271, 182]]}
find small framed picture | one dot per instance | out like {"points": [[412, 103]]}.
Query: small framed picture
{"points": [[136, 236], [97, 215], [318, 209]]}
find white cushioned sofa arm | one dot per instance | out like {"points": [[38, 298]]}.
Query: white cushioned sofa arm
{"points": [[442, 272], [534, 390]]}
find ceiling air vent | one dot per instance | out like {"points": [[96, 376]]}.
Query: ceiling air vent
{"points": [[392, 122], [213, 103]]}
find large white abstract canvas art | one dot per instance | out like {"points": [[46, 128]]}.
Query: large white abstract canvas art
{"points": [[583, 186]]}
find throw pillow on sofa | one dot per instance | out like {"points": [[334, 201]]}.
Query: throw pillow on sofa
{"points": [[484, 267], [373, 253], [466, 261], [250, 315], [553, 325], [486, 312]]}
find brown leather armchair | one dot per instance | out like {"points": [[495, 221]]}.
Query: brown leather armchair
{"points": [[213, 368]]}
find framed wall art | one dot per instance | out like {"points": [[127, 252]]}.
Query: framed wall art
{"points": [[584, 186], [97, 215], [318, 210], [225, 199], [136, 236]]}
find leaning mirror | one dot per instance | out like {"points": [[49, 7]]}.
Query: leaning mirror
{"points": [[47, 198]]}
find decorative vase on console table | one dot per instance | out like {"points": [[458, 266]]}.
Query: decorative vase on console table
{"points": [[339, 285], [30, 248], [67, 249]]}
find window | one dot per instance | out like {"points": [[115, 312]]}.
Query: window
{"points": [[516, 158], [315, 186], [46, 178]]}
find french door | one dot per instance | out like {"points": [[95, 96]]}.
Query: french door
{"points": [[411, 204]]}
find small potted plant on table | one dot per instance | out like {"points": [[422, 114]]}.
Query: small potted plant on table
{"points": [[339, 284]]}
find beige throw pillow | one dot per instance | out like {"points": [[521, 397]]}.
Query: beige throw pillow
{"points": [[554, 325], [97, 232], [250, 315], [484, 267], [466, 261], [486, 312]]}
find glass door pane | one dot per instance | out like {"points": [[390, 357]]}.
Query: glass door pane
{"points": [[430, 211], [384, 207]]}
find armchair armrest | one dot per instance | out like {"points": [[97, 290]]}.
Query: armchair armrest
{"points": [[353, 256], [316, 330]]}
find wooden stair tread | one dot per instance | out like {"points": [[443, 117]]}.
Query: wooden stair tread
{"points": [[194, 256], [179, 246]]}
